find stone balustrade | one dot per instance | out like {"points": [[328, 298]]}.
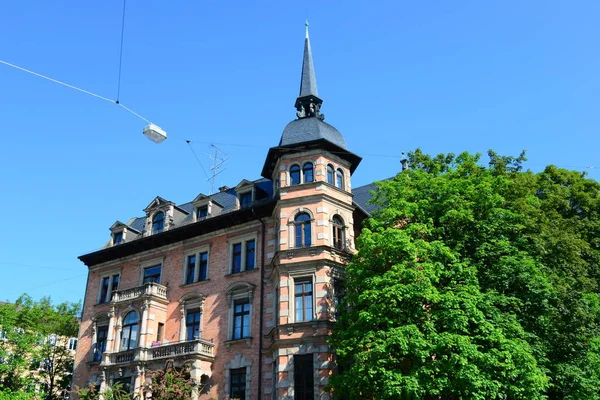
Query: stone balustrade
{"points": [[198, 347], [146, 290]]}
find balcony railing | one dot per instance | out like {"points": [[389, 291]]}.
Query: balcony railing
{"points": [[147, 289], [181, 349]]}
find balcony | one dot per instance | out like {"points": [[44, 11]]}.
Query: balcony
{"points": [[147, 290], [191, 349]]}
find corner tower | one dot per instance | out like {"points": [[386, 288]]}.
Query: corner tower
{"points": [[313, 234]]}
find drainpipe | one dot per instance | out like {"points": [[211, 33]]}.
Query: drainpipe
{"points": [[262, 295]]}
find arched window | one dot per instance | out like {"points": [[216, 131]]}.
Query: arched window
{"points": [[129, 332], [338, 232], [302, 230], [330, 172], [295, 175], [339, 178], [307, 172], [158, 222]]}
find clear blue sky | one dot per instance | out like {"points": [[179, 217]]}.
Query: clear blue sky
{"points": [[394, 76]]}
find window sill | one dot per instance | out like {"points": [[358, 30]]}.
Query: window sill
{"points": [[242, 272], [247, 340], [193, 283]]}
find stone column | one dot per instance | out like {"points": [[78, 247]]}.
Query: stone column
{"points": [[182, 323], [144, 324], [110, 338]]}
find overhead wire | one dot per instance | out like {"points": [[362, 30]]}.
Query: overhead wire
{"points": [[74, 88], [121, 53]]}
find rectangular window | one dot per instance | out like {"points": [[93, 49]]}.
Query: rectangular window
{"points": [[250, 247], [241, 319], [338, 294], [243, 256], [237, 383], [152, 274], [117, 237], [201, 212], [72, 343], [192, 324], [196, 267], [108, 285], [160, 332], [236, 264], [245, 199], [191, 269], [303, 294], [100, 346], [304, 377]]}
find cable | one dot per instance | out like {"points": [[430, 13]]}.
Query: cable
{"points": [[35, 266], [74, 88], [50, 283], [197, 159], [121, 53]]}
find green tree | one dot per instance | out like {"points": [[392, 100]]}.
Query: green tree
{"points": [[35, 352], [475, 283]]}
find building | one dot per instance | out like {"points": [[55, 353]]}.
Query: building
{"points": [[241, 285]]}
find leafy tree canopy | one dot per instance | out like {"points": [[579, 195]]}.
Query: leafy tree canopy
{"points": [[34, 350], [474, 282]]}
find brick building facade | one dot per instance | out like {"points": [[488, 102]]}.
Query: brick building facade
{"points": [[241, 285]]}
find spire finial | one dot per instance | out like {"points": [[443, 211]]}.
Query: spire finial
{"points": [[308, 103]]}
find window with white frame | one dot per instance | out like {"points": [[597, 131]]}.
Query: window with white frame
{"points": [[158, 222], [303, 299], [192, 305], [117, 237], [338, 232], [196, 267], [339, 178], [302, 230], [109, 284], [308, 172], [240, 296], [152, 274], [129, 331], [245, 199], [242, 255], [72, 344], [101, 338]]}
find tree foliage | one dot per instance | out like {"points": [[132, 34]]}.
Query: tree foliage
{"points": [[34, 351], [474, 282]]}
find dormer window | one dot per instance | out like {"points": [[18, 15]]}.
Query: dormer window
{"points": [[158, 222], [245, 199], [201, 212], [117, 237]]}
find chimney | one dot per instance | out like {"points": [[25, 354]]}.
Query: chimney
{"points": [[223, 188]]}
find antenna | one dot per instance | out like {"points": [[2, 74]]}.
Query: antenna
{"points": [[219, 159]]}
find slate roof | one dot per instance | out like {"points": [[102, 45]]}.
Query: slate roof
{"points": [[309, 129], [308, 80], [362, 195]]}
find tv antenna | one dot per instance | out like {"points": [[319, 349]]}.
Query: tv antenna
{"points": [[219, 159]]}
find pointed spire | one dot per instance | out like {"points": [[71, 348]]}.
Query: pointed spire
{"points": [[308, 103], [308, 83]]}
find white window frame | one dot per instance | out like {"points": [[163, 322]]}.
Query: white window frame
{"points": [[188, 302], [110, 275], [239, 291], [243, 240], [292, 294], [196, 252], [151, 263], [72, 344], [292, 228]]}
